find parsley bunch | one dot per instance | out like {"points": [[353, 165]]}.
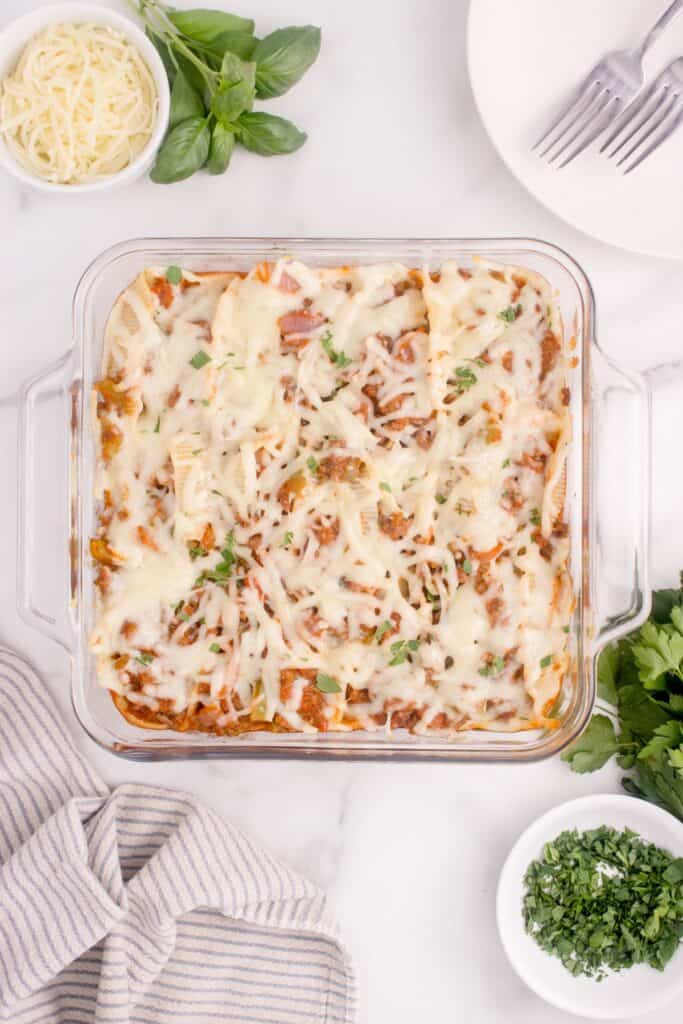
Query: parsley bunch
{"points": [[604, 899], [640, 684]]}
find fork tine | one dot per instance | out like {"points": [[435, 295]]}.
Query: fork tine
{"points": [[579, 118], [640, 119], [594, 111], [654, 123], [573, 107], [601, 121], [627, 115], [665, 133]]}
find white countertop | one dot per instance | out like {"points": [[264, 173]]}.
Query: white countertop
{"points": [[409, 854]]}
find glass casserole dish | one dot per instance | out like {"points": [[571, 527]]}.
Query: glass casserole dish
{"points": [[609, 458]]}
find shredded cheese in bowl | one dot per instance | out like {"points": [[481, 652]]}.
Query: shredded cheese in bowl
{"points": [[80, 105]]}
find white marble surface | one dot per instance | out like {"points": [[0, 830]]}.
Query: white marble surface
{"points": [[409, 855]]}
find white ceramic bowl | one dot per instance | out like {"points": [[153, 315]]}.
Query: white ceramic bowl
{"points": [[13, 39], [626, 994]]}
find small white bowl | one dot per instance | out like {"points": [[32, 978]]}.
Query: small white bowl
{"points": [[629, 993], [13, 39]]}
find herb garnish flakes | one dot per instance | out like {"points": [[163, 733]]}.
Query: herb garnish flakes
{"points": [[199, 359], [510, 313], [605, 900], [327, 684]]}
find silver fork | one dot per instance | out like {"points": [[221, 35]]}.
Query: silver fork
{"points": [[650, 119], [603, 94]]}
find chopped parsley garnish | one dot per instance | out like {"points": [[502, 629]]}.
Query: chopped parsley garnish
{"points": [[178, 608], [467, 567], [157, 425], [566, 629], [199, 359], [385, 487], [383, 628], [547, 661], [441, 499], [205, 401], [197, 451], [535, 517], [183, 616], [144, 658], [222, 571], [604, 900], [197, 551], [400, 650], [506, 463], [287, 539], [510, 314], [464, 508], [326, 684], [312, 464], [493, 668], [465, 379], [216, 649], [338, 358], [174, 275], [214, 491]]}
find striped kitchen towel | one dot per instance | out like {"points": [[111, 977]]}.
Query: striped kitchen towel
{"points": [[142, 906]]}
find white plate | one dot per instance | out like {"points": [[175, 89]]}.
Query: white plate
{"points": [[524, 58], [629, 993]]}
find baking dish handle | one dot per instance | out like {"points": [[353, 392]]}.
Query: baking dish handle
{"points": [[42, 401], [621, 479]]}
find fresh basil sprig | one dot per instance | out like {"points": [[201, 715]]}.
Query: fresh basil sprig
{"points": [[217, 68]]}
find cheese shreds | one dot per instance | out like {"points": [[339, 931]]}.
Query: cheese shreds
{"points": [[80, 104], [348, 513]]}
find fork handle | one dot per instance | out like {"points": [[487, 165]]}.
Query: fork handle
{"points": [[672, 11]]}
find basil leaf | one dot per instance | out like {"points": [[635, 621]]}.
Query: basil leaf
{"points": [[184, 101], [268, 135], [164, 52], [240, 43], [205, 26], [283, 57], [221, 149], [235, 93], [184, 151]]}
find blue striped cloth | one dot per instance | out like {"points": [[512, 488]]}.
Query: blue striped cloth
{"points": [[141, 906]]}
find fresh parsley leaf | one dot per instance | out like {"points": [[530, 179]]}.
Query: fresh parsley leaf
{"points": [[199, 359], [608, 666], [383, 628], [465, 379], [400, 650], [510, 313], [327, 684], [283, 57], [594, 747], [174, 275], [338, 358], [492, 668]]}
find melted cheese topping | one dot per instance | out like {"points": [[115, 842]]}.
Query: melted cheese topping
{"points": [[80, 104], [333, 499]]}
